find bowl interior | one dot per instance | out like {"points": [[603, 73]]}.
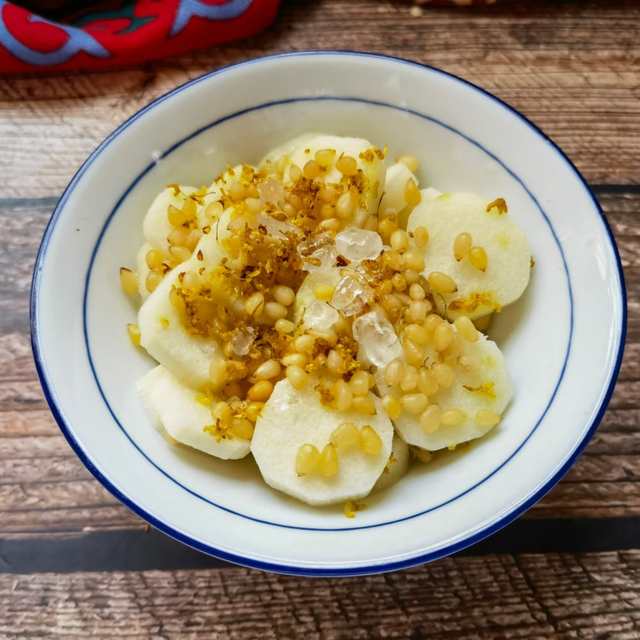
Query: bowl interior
{"points": [[465, 141]]}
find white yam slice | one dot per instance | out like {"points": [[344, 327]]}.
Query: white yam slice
{"points": [[293, 418], [429, 194], [509, 256], [300, 150], [395, 184], [175, 406], [156, 226], [286, 149], [162, 332], [396, 466], [485, 386]]}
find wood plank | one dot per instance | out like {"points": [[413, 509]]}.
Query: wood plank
{"points": [[572, 67], [594, 595], [45, 488], [23, 224]]}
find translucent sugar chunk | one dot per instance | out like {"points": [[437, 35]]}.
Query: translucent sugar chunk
{"points": [[277, 228], [351, 295], [358, 244], [379, 344], [242, 340], [318, 252], [271, 191], [320, 316]]}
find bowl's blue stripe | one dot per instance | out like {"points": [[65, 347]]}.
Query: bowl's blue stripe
{"points": [[290, 569]]}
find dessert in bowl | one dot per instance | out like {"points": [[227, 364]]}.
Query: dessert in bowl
{"points": [[561, 337]]}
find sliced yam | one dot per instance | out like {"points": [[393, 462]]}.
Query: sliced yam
{"points": [[294, 418], [156, 226], [303, 149], [176, 407], [485, 386], [287, 149], [429, 194], [396, 466], [210, 243], [306, 294], [226, 178], [142, 270], [223, 189], [162, 332], [277, 228], [509, 258], [213, 194], [395, 191], [163, 335]]}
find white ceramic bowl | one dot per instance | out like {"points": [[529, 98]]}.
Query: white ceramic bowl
{"points": [[563, 341]]}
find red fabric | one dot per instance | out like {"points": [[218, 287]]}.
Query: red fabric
{"points": [[134, 31]]}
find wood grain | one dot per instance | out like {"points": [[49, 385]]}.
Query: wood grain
{"points": [[44, 489], [555, 596], [572, 67]]}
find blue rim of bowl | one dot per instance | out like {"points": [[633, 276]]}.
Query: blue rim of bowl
{"points": [[303, 570], [285, 102]]}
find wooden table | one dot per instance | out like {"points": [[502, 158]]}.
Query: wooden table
{"points": [[77, 564]]}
